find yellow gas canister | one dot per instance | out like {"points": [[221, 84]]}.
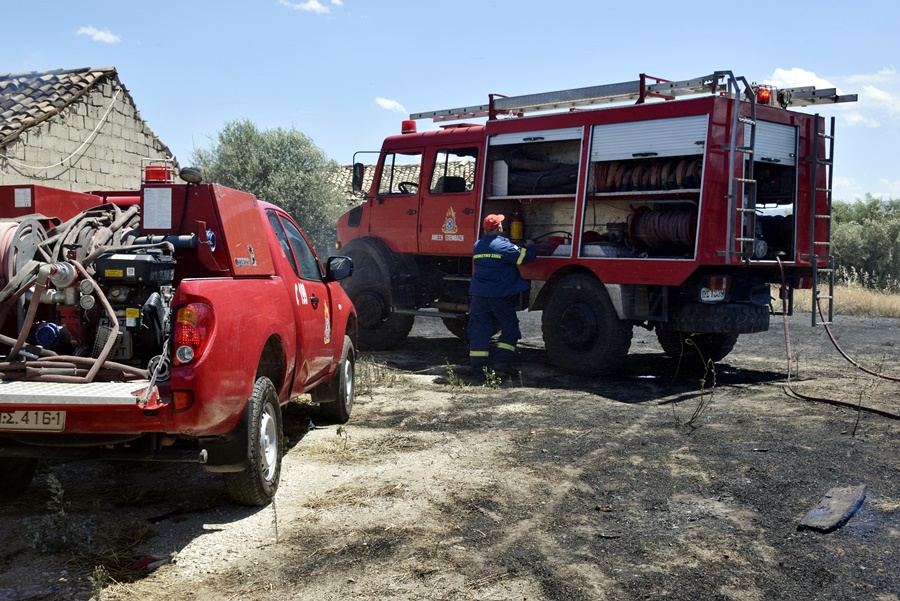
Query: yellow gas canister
{"points": [[516, 227]]}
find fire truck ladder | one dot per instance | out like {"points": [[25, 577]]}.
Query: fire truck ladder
{"points": [[637, 91], [821, 212], [742, 190]]}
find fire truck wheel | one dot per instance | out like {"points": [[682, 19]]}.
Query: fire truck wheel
{"points": [[712, 319], [457, 326], [335, 397], [15, 476], [379, 327], [256, 486], [581, 330], [679, 345]]}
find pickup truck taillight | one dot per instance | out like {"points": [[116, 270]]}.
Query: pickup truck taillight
{"points": [[193, 327]]}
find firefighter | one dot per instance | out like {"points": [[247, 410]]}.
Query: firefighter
{"points": [[496, 283]]}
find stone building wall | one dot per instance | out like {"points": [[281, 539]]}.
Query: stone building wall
{"points": [[96, 143]]}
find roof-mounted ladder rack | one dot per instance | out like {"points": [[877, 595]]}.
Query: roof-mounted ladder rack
{"points": [[630, 91]]}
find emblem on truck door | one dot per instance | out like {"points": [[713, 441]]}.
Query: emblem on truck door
{"points": [[449, 229], [450, 226]]}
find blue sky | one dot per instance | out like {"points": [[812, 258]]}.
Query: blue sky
{"points": [[346, 72]]}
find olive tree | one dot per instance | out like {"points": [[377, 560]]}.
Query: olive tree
{"points": [[281, 166], [866, 242]]}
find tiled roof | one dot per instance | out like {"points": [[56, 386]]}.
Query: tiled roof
{"points": [[27, 99]]}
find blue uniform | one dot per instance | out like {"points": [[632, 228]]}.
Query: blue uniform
{"points": [[495, 284]]}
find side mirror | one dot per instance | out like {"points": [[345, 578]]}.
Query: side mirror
{"points": [[338, 268], [359, 171]]}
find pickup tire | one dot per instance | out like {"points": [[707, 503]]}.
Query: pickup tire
{"points": [[582, 332], [335, 397], [257, 485], [704, 347], [15, 476]]}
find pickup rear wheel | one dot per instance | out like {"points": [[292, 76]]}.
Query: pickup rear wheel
{"points": [[15, 476], [335, 397], [257, 485], [582, 332]]}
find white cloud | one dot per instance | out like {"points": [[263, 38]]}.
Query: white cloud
{"points": [[857, 118], [99, 35], [882, 98], [892, 186], [312, 6], [797, 78], [879, 93], [888, 74], [390, 105]]}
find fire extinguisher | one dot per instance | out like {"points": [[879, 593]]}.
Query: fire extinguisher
{"points": [[516, 227]]}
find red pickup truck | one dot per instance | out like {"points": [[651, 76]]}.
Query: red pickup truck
{"points": [[169, 323]]}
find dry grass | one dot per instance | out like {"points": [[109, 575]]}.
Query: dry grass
{"points": [[855, 300], [351, 495], [342, 448], [371, 374]]}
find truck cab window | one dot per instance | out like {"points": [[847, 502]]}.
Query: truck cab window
{"points": [[282, 239], [454, 170], [400, 173], [296, 249], [306, 259]]}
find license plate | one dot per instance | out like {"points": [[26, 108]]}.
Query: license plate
{"points": [[45, 421], [711, 296]]}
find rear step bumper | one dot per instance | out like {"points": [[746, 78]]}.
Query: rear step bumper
{"points": [[108, 394], [163, 455]]}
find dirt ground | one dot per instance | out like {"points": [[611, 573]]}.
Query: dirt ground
{"points": [[666, 481]]}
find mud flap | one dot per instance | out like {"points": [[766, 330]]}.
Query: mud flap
{"points": [[228, 453]]}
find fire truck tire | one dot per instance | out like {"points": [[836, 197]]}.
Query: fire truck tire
{"points": [[457, 326], [335, 397], [731, 318], [379, 327], [582, 332], [257, 485], [680, 345], [15, 476]]}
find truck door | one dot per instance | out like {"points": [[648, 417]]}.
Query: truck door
{"points": [[447, 213], [395, 210], [309, 300]]}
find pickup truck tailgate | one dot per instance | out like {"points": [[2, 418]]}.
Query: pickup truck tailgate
{"points": [[92, 393]]}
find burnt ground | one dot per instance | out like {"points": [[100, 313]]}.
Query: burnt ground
{"points": [[665, 481]]}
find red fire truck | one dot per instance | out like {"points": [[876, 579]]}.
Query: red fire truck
{"points": [[672, 205]]}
